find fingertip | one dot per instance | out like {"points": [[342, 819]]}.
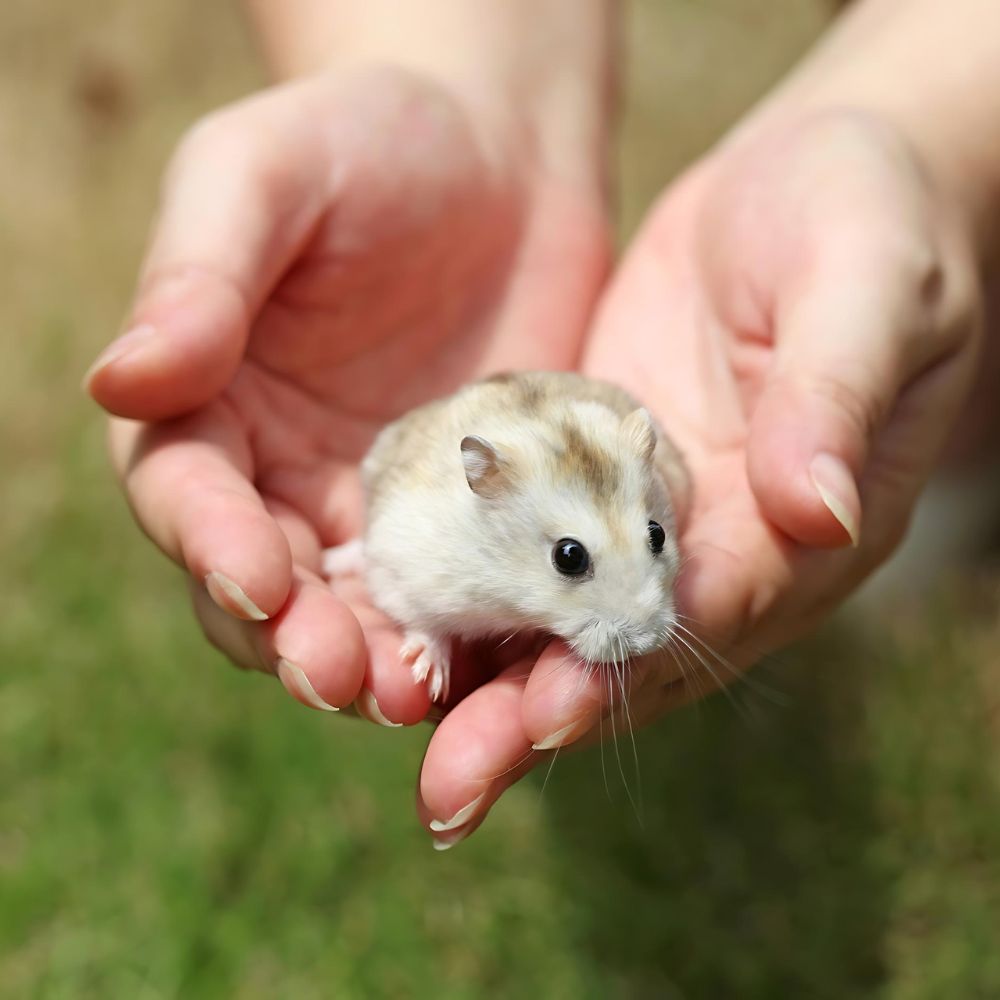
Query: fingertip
{"points": [[445, 834], [816, 503], [242, 556], [297, 683], [130, 342], [835, 485], [314, 647], [389, 682], [181, 351], [231, 597], [463, 815], [799, 466], [563, 699], [319, 636], [452, 816], [368, 708], [476, 753]]}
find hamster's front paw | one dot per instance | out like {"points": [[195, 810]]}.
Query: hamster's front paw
{"points": [[344, 560], [430, 661]]}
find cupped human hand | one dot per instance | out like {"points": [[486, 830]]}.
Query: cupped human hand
{"points": [[801, 312], [808, 306], [328, 254]]}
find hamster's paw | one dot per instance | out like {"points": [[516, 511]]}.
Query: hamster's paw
{"points": [[430, 662], [344, 560]]}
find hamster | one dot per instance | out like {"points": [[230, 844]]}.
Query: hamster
{"points": [[537, 501]]}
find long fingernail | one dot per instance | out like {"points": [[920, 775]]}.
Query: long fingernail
{"points": [[230, 597], [368, 709], [297, 685], [117, 349], [459, 819], [446, 843], [562, 736], [837, 489]]}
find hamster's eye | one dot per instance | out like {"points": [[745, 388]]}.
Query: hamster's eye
{"points": [[570, 557], [657, 536]]}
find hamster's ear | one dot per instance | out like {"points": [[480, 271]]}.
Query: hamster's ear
{"points": [[640, 433], [483, 466]]}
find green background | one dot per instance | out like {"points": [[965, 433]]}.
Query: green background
{"points": [[171, 827]]}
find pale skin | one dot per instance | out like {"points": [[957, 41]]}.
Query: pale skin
{"points": [[801, 310]]}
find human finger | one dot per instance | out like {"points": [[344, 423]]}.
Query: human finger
{"points": [[239, 200], [189, 483]]}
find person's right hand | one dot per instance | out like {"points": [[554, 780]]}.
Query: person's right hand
{"points": [[328, 255]]}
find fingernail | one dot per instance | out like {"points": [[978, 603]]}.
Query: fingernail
{"points": [[231, 598], [446, 843], [561, 736], [459, 819], [837, 489], [298, 686], [117, 349], [368, 709]]}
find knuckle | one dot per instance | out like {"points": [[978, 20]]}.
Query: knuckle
{"points": [[239, 147], [961, 309], [864, 411], [226, 140], [217, 132]]}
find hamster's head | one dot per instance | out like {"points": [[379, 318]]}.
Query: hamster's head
{"points": [[576, 518]]}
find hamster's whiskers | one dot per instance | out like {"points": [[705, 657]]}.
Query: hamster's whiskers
{"points": [[685, 642], [688, 676], [615, 696], [612, 674], [738, 675], [513, 767], [706, 665], [620, 672]]}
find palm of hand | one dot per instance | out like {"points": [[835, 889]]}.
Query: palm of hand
{"points": [[722, 317], [807, 295], [658, 333], [426, 265]]}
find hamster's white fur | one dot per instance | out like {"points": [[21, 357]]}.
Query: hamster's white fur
{"points": [[467, 497]]}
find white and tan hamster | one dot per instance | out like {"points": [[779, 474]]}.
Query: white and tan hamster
{"points": [[540, 501]]}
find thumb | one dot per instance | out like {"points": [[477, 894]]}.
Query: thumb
{"points": [[232, 215], [844, 350]]}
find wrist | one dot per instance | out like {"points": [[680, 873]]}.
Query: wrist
{"points": [[925, 70], [535, 76], [965, 194]]}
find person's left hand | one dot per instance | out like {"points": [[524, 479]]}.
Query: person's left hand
{"points": [[800, 311]]}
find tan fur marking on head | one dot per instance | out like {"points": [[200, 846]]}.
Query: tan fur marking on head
{"points": [[523, 391], [533, 395], [618, 533], [582, 459]]}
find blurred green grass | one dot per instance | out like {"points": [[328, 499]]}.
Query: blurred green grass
{"points": [[170, 827]]}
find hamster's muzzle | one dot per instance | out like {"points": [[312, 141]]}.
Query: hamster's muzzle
{"points": [[618, 641]]}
